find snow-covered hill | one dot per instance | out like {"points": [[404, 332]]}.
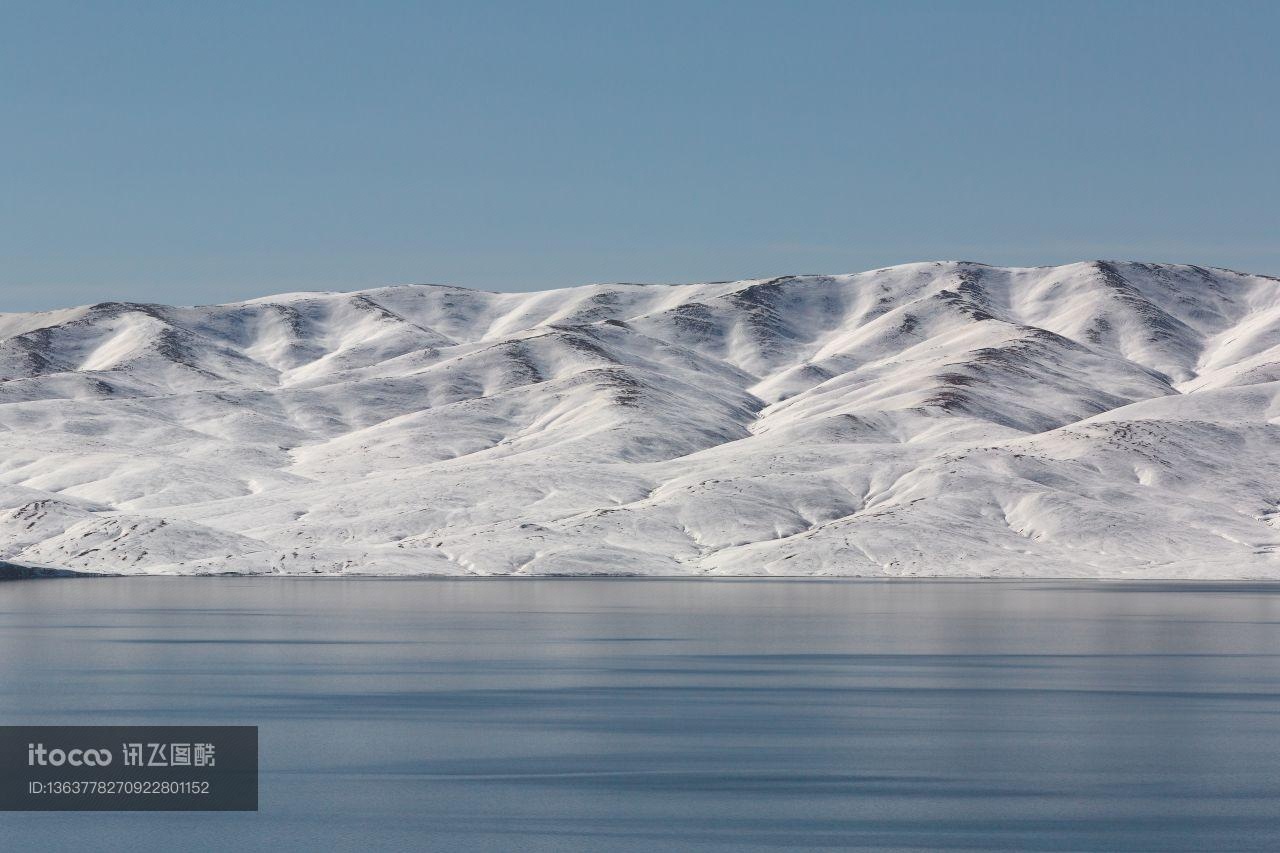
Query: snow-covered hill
{"points": [[1097, 419]]}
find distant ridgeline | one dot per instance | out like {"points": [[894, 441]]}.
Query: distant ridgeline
{"points": [[1095, 419]]}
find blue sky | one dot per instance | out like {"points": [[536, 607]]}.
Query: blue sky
{"points": [[201, 152]]}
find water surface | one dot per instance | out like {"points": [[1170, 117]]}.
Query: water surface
{"points": [[642, 715]]}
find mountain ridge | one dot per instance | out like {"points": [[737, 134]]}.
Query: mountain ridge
{"points": [[1104, 419]]}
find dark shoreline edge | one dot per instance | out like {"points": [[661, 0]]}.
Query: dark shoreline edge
{"points": [[15, 572]]}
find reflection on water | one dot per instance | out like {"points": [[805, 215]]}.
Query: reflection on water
{"points": [[602, 715]]}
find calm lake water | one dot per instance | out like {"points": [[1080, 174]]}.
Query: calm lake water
{"points": [[643, 715]]}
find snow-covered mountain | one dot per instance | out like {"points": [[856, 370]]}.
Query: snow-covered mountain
{"points": [[1096, 419]]}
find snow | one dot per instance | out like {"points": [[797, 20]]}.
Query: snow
{"points": [[1101, 419]]}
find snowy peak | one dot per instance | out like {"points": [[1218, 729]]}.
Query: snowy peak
{"points": [[1100, 418]]}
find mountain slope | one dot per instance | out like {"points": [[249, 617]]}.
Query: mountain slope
{"points": [[1096, 419]]}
